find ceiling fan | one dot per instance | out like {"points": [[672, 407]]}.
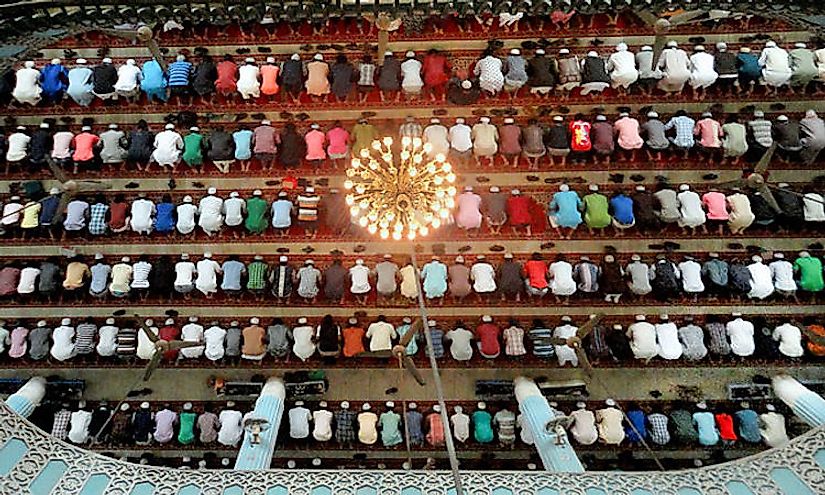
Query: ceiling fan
{"points": [[575, 342], [143, 34], [399, 351]]}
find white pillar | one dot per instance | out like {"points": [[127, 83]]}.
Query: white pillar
{"points": [[804, 402], [28, 397]]}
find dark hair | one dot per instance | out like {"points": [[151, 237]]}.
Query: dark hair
{"points": [[228, 57], [142, 125], [341, 58], [681, 113], [536, 256], [382, 318], [100, 198], [367, 58], [119, 198], [166, 198], [578, 116]]}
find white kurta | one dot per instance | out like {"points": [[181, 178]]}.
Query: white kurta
{"points": [[702, 73], [782, 273], [168, 147], [622, 68], [210, 211], [790, 340], [411, 75], [128, 78], [675, 67], [141, 217], [186, 218], [776, 66], [690, 207], [145, 347], [691, 276], [192, 332], [359, 279], [207, 279], [667, 336], [561, 282], [437, 136], [643, 340], [490, 77], [740, 333], [813, 207], [27, 88], [741, 214], [249, 84], [761, 281], [484, 277], [63, 346], [565, 353]]}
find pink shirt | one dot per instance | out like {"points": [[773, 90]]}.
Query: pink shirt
{"points": [[468, 215], [435, 436], [338, 139], [716, 205], [18, 342], [628, 130], [315, 145], [84, 144], [709, 132], [62, 143]]}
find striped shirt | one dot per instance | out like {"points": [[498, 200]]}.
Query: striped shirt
{"points": [[126, 342], [597, 343], [587, 275], [514, 341], [85, 338], [410, 130], [366, 74], [308, 208], [437, 336], [140, 275], [97, 218], [540, 340], [180, 73], [506, 421], [257, 275]]}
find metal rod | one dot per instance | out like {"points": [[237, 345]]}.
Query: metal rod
{"points": [[439, 389]]}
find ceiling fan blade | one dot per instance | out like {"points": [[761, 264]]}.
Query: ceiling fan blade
{"points": [[152, 366], [409, 365], [65, 199], [684, 17], [152, 45], [411, 333], [177, 345], [589, 325], [766, 193], [58, 173], [122, 33], [148, 331], [584, 361], [762, 165], [551, 341]]}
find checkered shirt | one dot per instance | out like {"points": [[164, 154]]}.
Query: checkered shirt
{"points": [[97, 218], [514, 341], [344, 426], [658, 432], [60, 427]]}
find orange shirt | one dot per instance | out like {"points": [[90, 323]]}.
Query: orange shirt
{"points": [[253, 341], [537, 273], [269, 79], [353, 341], [84, 144], [813, 348]]}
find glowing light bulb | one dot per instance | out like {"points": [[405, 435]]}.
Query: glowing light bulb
{"points": [[428, 147], [384, 224], [365, 153], [444, 213], [451, 190], [450, 203], [373, 216], [417, 142], [431, 168], [384, 233], [417, 159], [411, 235], [388, 141], [356, 162], [347, 184], [446, 167], [363, 221], [396, 235], [354, 211], [350, 200], [372, 229], [405, 141], [413, 172], [440, 157], [398, 227], [390, 215], [364, 204], [436, 223], [423, 230], [451, 178], [438, 180], [376, 145], [405, 155]]}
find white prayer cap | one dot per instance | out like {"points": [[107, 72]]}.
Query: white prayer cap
{"points": [[109, 321], [299, 403], [318, 56], [302, 321], [515, 192], [258, 257], [564, 188], [494, 189], [412, 405], [180, 58], [482, 405], [15, 198], [684, 187], [459, 120], [366, 406], [144, 405], [212, 190], [508, 256], [21, 128], [66, 321], [744, 49], [149, 322], [81, 61], [170, 126], [29, 64], [130, 61], [640, 188], [609, 258], [509, 120], [42, 323], [484, 120], [283, 259], [193, 319], [617, 327], [653, 115], [407, 320], [194, 128], [581, 405], [270, 60], [758, 114], [125, 259], [515, 51], [540, 51], [466, 84], [359, 261], [434, 120], [184, 256], [409, 54], [593, 187], [702, 405], [468, 188], [250, 60], [756, 258], [770, 44], [592, 53], [486, 318], [610, 403], [800, 45], [44, 125], [353, 321], [86, 128], [345, 405], [566, 319], [257, 192], [647, 48], [804, 254], [207, 255], [601, 118], [187, 199], [636, 257], [672, 44], [664, 316], [713, 255], [481, 257], [282, 194], [234, 194], [779, 256], [721, 45], [437, 408], [558, 118], [458, 409], [640, 318], [112, 126], [621, 47], [624, 114], [55, 61], [390, 404], [431, 323], [323, 403], [295, 56], [770, 408], [309, 262], [707, 114], [234, 323], [782, 118], [169, 321], [388, 53], [699, 48], [564, 51]]}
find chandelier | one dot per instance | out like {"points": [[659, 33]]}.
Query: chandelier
{"points": [[403, 194]]}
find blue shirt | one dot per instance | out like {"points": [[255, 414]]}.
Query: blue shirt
{"points": [[153, 77], [165, 220], [434, 274], [179, 73], [622, 207], [706, 426], [482, 427], [684, 130], [565, 208], [282, 214], [748, 425], [412, 347], [48, 208], [232, 271], [414, 420], [243, 144], [437, 336], [53, 79], [748, 65], [637, 419], [80, 85]]}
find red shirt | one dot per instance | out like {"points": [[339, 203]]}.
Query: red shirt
{"points": [[518, 210], [169, 333], [725, 423], [117, 215], [487, 335], [436, 69], [227, 76], [536, 273], [580, 136], [84, 144]]}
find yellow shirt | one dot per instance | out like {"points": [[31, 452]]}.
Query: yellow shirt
{"points": [[75, 273], [31, 215]]}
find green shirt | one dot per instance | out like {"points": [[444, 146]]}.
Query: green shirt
{"points": [[186, 435], [810, 273], [482, 427], [256, 209], [390, 433], [193, 149], [256, 272], [362, 137], [596, 214]]}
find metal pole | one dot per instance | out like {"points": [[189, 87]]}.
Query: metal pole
{"points": [[439, 389]]}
